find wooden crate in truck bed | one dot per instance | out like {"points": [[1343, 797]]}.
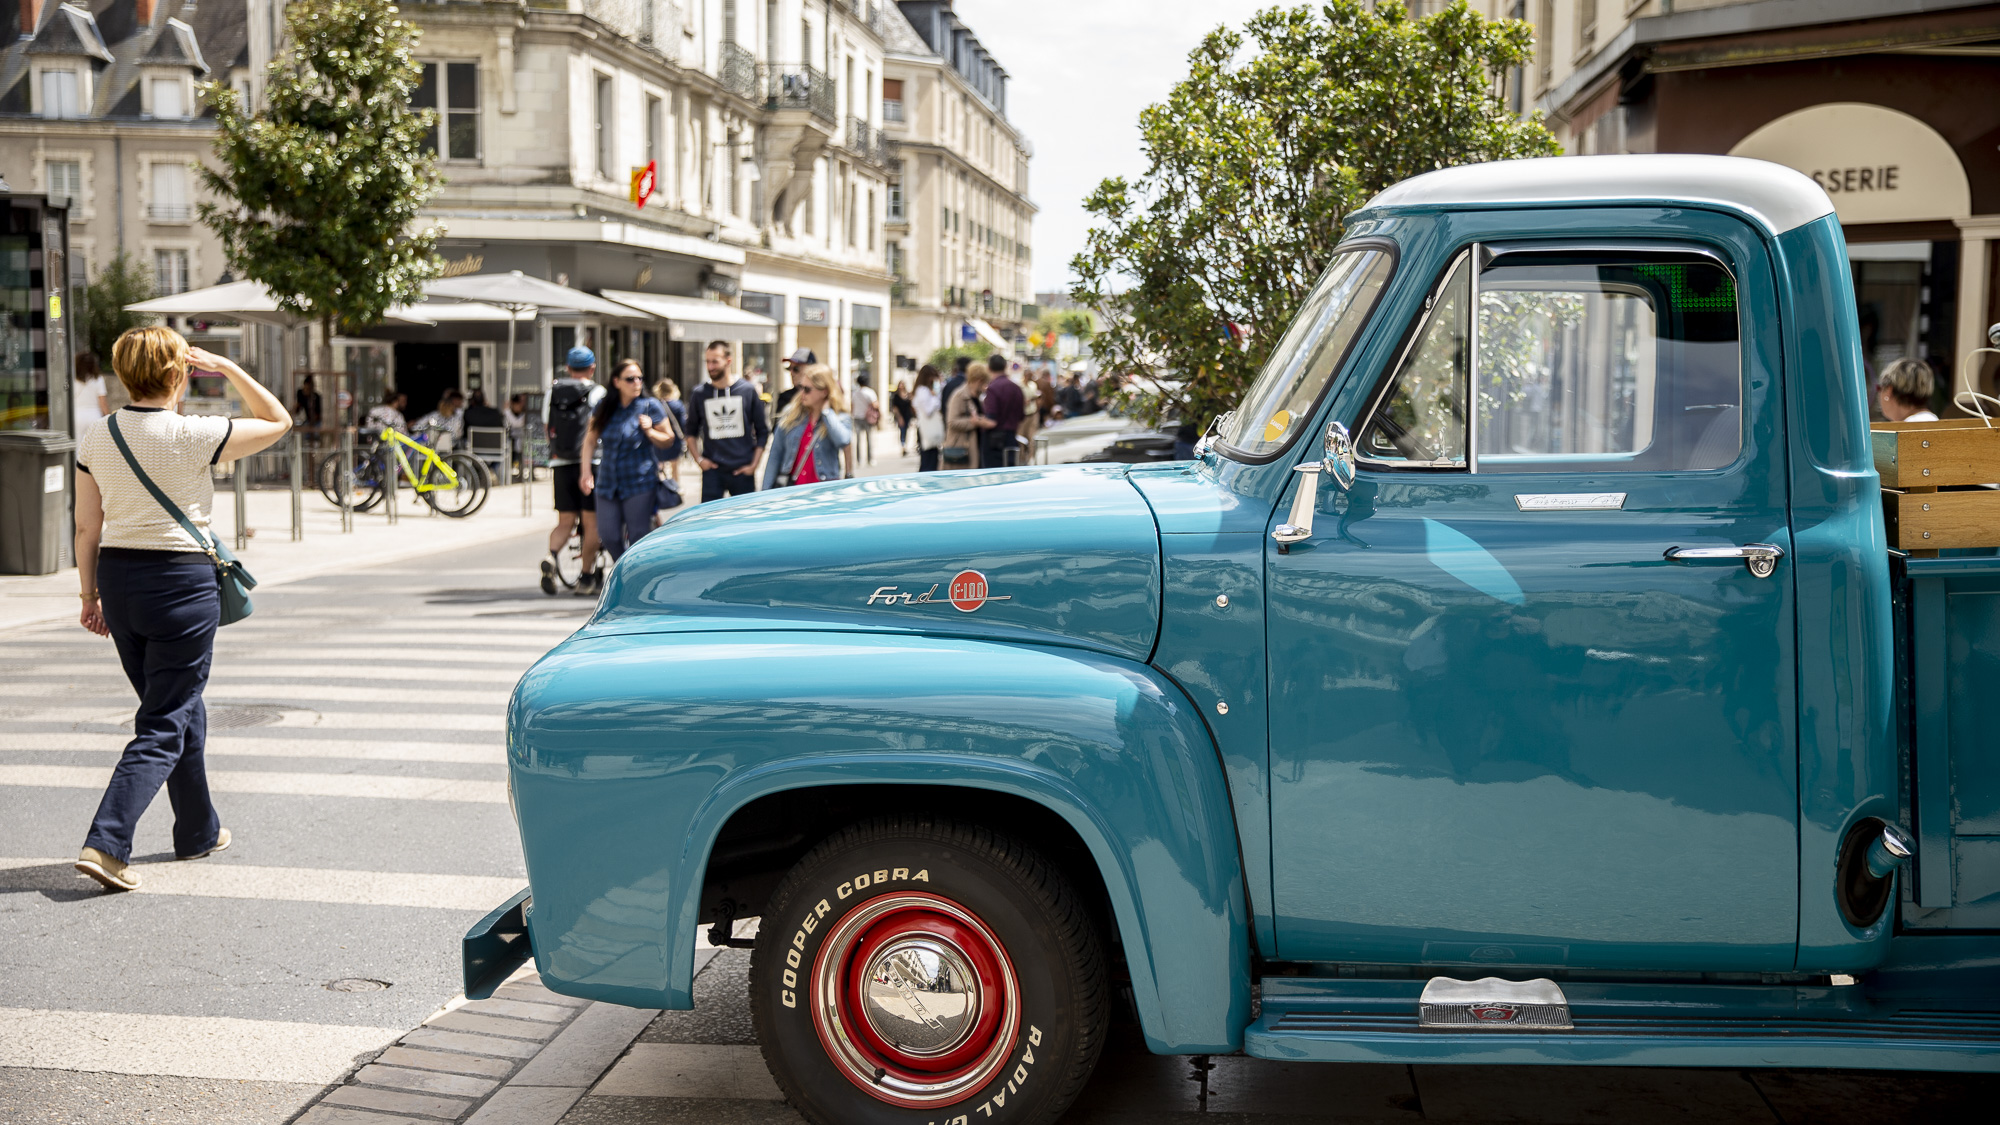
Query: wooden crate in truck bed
{"points": [[1917, 459]]}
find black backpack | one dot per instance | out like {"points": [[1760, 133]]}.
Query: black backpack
{"points": [[569, 415]]}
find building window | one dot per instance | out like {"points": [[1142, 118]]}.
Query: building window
{"points": [[735, 184], [895, 256], [1545, 47], [61, 96], [169, 202], [892, 99], [852, 221], [458, 111], [65, 181], [896, 202], [1586, 25], [605, 131], [169, 98], [170, 272], [729, 21]]}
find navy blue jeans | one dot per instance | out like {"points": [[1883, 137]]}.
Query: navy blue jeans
{"points": [[163, 608], [621, 522]]}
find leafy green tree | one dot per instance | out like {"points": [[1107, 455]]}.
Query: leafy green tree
{"points": [[1255, 160], [321, 189], [978, 352], [121, 282]]}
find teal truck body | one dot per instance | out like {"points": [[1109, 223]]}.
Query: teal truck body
{"points": [[1521, 675]]}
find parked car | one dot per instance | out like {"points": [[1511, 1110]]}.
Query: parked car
{"points": [[1605, 728]]}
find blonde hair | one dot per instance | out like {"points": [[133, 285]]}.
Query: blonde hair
{"points": [[821, 376], [151, 362], [1910, 381]]}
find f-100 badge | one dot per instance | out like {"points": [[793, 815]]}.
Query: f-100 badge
{"points": [[967, 592]]}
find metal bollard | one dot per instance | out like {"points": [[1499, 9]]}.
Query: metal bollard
{"points": [[524, 473], [389, 482], [1041, 449], [239, 481], [344, 487], [298, 486]]}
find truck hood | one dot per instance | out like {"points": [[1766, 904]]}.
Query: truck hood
{"points": [[1067, 555]]}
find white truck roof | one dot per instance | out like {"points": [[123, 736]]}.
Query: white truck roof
{"points": [[1776, 196]]}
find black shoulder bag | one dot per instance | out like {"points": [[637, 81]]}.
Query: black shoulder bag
{"points": [[235, 581]]}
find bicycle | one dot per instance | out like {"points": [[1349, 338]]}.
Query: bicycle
{"points": [[453, 484]]}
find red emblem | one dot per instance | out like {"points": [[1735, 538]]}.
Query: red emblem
{"points": [[968, 591], [1495, 1013]]}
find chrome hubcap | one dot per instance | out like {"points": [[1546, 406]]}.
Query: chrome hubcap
{"points": [[921, 996]]}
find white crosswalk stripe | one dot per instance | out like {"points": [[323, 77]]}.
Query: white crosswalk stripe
{"points": [[184, 1046], [461, 691], [288, 784], [228, 746], [285, 884], [491, 719]]}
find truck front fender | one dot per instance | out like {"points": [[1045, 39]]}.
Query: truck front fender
{"points": [[630, 753]]}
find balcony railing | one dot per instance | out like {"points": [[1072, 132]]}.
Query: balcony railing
{"points": [[793, 86], [169, 212], [739, 71], [867, 142]]}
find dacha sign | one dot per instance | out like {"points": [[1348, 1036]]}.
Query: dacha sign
{"points": [[1878, 164]]}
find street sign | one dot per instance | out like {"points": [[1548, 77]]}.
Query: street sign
{"points": [[643, 180]]}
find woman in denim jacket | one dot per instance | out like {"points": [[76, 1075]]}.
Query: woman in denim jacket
{"points": [[815, 420]]}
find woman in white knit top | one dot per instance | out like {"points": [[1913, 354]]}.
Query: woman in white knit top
{"points": [[151, 586]]}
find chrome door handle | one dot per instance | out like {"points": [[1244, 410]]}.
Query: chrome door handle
{"points": [[1761, 558]]}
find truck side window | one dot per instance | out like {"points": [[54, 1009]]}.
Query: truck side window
{"points": [[1422, 419], [1606, 362]]}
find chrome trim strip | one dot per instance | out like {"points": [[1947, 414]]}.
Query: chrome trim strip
{"points": [[1569, 501]]}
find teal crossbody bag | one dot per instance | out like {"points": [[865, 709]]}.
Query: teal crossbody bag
{"points": [[235, 582]]}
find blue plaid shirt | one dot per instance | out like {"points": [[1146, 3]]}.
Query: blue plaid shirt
{"points": [[627, 466]]}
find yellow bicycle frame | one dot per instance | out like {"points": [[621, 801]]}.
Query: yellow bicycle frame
{"points": [[395, 439]]}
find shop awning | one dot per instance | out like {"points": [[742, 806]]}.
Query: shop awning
{"points": [[451, 312], [246, 300], [691, 318], [989, 334]]}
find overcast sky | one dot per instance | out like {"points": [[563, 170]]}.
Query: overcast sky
{"points": [[1079, 72]]}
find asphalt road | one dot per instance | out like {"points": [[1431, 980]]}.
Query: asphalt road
{"points": [[355, 754]]}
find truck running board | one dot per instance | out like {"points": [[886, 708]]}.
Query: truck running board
{"points": [[1351, 1020]]}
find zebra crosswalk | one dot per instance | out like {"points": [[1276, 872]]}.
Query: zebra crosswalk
{"points": [[356, 752]]}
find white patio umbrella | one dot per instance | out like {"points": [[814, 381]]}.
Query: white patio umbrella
{"points": [[515, 292], [246, 300]]}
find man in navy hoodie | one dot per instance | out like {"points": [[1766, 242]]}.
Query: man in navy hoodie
{"points": [[727, 429]]}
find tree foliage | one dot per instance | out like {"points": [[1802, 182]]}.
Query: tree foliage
{"points": [[1255, 160], [122, 281], [321, 188]]}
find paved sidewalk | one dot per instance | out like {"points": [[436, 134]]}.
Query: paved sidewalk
{"points": [[275, 558]]}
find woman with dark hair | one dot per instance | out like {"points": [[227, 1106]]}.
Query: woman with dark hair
{"points": [[618, 467], [905, 412], [88, 401], [929, 419]]}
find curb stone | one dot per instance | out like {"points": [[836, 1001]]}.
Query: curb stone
{"points": [[522, 1057]]}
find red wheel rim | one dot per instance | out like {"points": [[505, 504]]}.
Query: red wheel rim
{"points": [[915, 1000]]}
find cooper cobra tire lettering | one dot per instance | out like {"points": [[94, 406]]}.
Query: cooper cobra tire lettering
{"points": [[1024, 1070]]}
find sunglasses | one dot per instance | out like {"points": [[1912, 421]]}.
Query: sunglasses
{"points": [[630, 379]]}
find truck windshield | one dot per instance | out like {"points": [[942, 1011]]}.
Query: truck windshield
{"points": [[1280, 403]]}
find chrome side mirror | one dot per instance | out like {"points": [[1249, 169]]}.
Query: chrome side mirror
{"points": [[1339, 462], [1993, 334]]}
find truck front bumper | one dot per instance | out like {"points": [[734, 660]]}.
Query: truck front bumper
{"points": [[496, 945]]}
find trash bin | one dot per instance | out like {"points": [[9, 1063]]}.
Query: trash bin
{"points": [[34, 500]]}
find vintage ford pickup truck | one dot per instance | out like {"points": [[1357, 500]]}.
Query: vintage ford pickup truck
{"points": [[1597, 722]]}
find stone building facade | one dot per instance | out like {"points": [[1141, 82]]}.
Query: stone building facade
{"points": [[961, 222]]}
